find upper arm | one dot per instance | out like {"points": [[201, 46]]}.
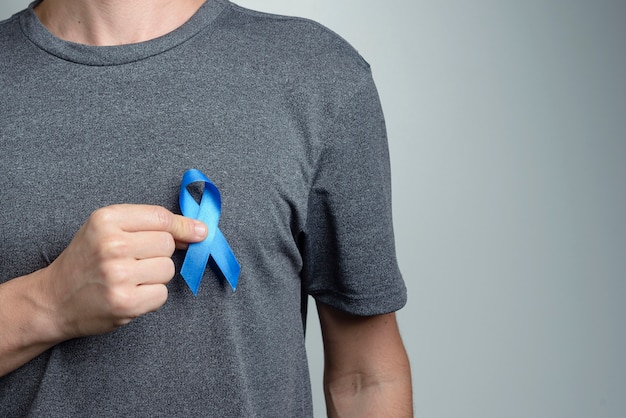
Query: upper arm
{"points": [[366, 345]]}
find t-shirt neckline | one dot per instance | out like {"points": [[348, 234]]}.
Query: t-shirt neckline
{"points": [[122, 54]]}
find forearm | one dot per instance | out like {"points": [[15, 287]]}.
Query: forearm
{"points": [[25, 328], [366, 367], [382, 393]]}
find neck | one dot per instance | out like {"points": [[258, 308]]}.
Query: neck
{"points": [[114, 22]]}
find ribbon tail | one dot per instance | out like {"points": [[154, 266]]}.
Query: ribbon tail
{"points": [[194, 264], [225, 259]]}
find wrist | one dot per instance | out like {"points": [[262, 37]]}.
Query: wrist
{"points": [[27, 327], [35, 309], [43, 299]]}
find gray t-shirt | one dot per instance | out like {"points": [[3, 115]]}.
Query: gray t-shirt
{"points": [[283, 116]]}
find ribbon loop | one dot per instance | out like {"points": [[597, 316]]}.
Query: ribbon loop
{"points": [[215, 244]]}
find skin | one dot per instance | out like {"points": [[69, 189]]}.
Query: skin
{"points": [[114, 270], [366, 368], [116, 267], [114, 22]]}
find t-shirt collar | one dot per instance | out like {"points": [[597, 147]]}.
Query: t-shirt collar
{"points": [[117, 55]]}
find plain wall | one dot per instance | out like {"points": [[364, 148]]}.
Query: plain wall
{"points": [[507, 127]]}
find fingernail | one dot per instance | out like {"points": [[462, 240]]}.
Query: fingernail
{"points": [[201, 229]]}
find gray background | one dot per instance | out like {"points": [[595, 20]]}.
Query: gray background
{"points": [[507, 124]]}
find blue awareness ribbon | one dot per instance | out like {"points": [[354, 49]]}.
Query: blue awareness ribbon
{"points": [[215, 244]]}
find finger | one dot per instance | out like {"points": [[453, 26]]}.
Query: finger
{"points": [[158, 270], [135, 245], [137, 218], [186, 230], [149, 244], [150, 297]]}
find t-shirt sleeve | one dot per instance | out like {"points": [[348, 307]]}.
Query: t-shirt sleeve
{"points": [[349, 252]]}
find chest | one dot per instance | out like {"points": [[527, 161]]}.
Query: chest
{"points": [[79, 142]]}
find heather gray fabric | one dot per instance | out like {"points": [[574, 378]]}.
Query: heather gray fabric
{"points": [[283, 116]]}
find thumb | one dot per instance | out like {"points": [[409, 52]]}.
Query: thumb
{"points": [[186, 230]]}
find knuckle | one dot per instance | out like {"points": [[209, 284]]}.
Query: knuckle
{"points": [[102, 216], [114, 273], [101, 221], [169, 269], [121, 304], [163, 218], [161, 294], [112, 247], [163, 270], [169, 244]]}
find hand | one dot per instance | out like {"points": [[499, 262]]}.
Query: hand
{"points": [[116, 268]]}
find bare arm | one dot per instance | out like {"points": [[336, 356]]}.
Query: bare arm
{"points": [[25, 330], [115, 269], [366, 370]]}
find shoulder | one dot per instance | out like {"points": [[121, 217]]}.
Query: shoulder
{"points": [[11, 42], [295, 41], [8, 28]]}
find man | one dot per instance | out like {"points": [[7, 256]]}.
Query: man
{"points": [[107, 104]]}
